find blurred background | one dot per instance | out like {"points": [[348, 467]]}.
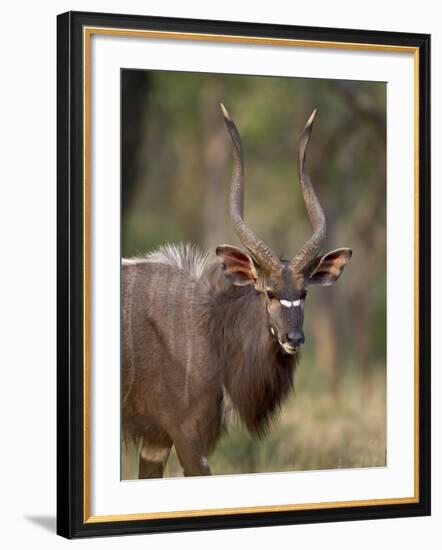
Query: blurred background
{"points": [[176, 169]]}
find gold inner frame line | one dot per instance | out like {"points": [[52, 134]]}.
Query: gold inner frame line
{"points": [[87, 34]]}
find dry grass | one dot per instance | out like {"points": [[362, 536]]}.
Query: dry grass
{"points": [[317, 429]]}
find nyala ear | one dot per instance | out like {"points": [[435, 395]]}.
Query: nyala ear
{"points": [[330, 267], [237, 265]]}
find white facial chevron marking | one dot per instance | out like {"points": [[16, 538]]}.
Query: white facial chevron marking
{"points": [[288, 303]]}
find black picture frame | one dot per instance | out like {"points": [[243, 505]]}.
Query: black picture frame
{"points": [[72, 520]]}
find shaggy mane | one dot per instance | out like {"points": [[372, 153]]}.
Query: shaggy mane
{"points": [[186, 257], [258, 375]]}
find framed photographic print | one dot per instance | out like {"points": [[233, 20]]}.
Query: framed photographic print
{"points": [[243, 211]]}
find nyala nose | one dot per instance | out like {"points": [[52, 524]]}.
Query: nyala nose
{"points": [[296, 338]]}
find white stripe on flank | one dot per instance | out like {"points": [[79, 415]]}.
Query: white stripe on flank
{"points": [[127, 314]]}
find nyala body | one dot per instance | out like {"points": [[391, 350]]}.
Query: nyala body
{"points": [[206, 332]]}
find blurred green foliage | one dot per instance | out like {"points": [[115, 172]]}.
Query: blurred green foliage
{"points": [[176, 167]]}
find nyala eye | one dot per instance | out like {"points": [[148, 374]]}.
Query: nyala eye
{"points": [[270, 295]]}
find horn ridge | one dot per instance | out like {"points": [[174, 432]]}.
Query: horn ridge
{"points": [[262, 254], [314, 209]]}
